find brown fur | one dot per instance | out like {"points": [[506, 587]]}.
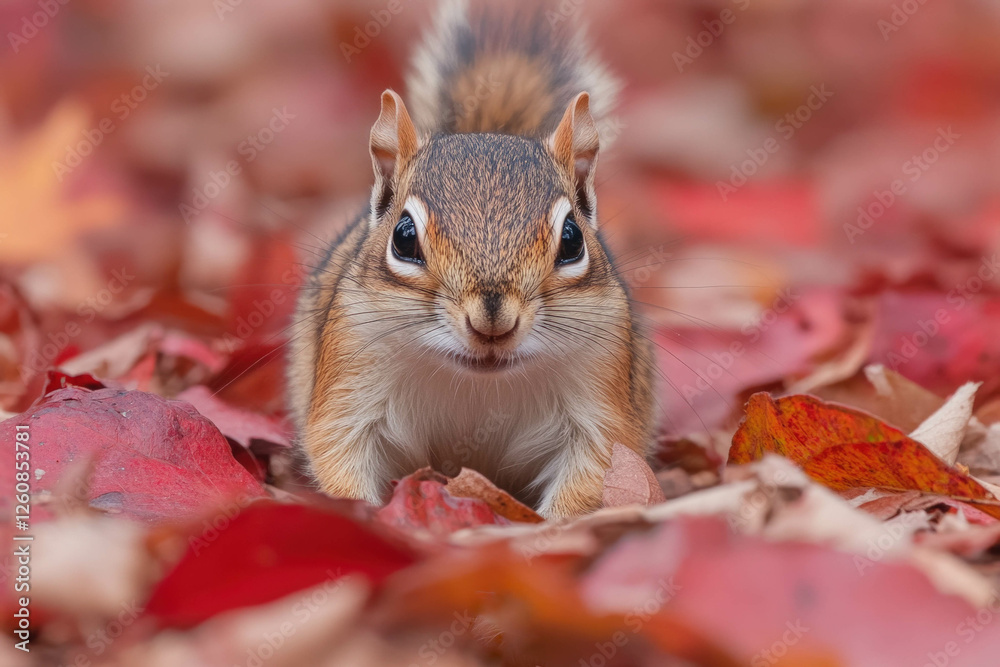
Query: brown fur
{"points": [[375, 384], [503, 67]]}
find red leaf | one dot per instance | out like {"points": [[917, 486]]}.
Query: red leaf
{"points": [[155, 459], [55, 379], [252, 377], [710, 368], [181, 345], [239, 425], [940, 340], [763, 213], [265, 553], [754, 592], [421, 501], [253, 465]]}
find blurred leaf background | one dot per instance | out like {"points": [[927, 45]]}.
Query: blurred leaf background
{"points": [[182, 163]]}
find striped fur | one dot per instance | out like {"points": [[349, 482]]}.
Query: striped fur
{"points": [[486, 68], [387, 371]]}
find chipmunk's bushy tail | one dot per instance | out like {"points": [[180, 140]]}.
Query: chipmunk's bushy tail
{"points": [[504, 67]]}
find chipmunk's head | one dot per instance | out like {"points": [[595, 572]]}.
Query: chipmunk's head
{"points": [[490, 240]]}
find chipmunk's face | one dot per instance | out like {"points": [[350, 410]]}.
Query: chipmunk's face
{"points": [[496, 238]]}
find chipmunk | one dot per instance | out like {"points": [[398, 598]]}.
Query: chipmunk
{"points": [[471, 316]]}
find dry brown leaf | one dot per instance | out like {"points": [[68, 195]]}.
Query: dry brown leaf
{"points": [[630, 480], [981, 449], [943, 431], [889, 504]]}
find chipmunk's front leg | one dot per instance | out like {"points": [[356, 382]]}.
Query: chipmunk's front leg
{"points": [[347, 463], [577, 480]]}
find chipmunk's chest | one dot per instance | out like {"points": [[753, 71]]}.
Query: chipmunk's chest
{"points": [[508, 427]]}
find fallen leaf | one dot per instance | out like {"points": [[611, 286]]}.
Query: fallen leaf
{"points": [[752, 591], [965, 347], [885, 394], [33, 193], [943, 431], [58, 380], [990, 412], [308, 626], [971, 514], [90, 566], [888, 505], [471, 484], [799, 427], [841, 362], [778, 501], [709, 369], [981, 449], [281, 549], [538, 610], [970, 543], [241, 426], [689, 454], [177, 344], [421, 503], [630, 480], [845, 448], [116, 357], [155, 459], [250, 377], [901, 466], [674, 482]]}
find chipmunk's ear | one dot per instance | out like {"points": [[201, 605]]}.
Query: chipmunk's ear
{"points": [[574, 145], [393, 143]]}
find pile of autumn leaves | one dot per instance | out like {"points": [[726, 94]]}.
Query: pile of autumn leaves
{"points": [[834, 536]]}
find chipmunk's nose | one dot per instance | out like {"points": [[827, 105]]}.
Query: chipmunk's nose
{"points": [[491, 332], [491, 320]]}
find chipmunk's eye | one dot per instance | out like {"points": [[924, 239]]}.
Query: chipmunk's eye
{"points": [[571, 244], [404, 240]]}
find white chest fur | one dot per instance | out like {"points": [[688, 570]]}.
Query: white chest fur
{"points": [[515, 427]]}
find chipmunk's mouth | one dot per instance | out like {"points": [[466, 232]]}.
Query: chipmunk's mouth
{"points": [[487, 363]]}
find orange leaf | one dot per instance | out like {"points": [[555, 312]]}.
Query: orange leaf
{"points": [[471, 484], [844, 448], [800, 427], [891, 465], [538, 610], [33, 196]]}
